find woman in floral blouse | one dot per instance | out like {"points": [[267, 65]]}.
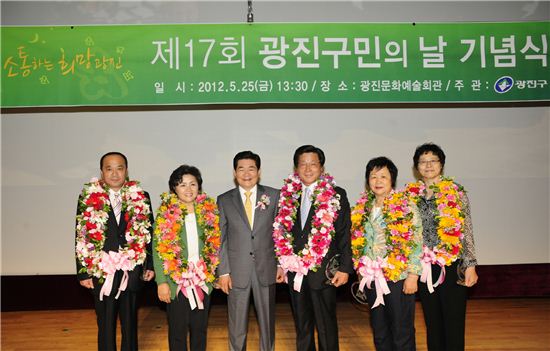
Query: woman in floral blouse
{"points": [[386, 247], [448, 254]]}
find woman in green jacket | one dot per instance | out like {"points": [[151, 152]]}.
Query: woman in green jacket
{"points": [[186, 243]]}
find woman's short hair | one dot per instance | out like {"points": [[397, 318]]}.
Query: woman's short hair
{"points": [[427, 148], [178, 173], [379, 163]]}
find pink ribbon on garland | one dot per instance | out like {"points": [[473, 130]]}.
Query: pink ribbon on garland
{"points": [[291, 263], [193, 284], [372, 270], [110, 263], [428, 258]]}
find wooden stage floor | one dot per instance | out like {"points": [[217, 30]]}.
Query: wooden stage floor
{"points": [[492, 324]]}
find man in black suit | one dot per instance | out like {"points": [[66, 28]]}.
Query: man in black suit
{"points": [[120, 300], [314, 306]]}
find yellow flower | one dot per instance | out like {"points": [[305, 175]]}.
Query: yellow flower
{"points": [[400, 227], [395, 268], [360, 241], [446, 222], [451, 239], [356, 219], [451, 212]]}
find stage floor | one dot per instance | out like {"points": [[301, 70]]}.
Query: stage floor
{"points": [[492, 324]]}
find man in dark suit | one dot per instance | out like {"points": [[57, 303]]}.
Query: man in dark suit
{"points": [[314, 305], [247, 257], [120, 300]]}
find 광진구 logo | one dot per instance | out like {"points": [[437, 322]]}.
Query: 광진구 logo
{"points": [[504, 84]]}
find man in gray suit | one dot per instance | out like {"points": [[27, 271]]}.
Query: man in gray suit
{"points": [[247, 256]]}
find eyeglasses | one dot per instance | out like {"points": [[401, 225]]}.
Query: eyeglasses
{"points": [[428, 163]]}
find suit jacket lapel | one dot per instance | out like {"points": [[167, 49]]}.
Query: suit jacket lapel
{"points": [[122, 223], [307, 225], [309, 217], [257, 209]]}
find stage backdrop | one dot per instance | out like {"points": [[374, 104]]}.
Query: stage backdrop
{"points": [[500, 154]]}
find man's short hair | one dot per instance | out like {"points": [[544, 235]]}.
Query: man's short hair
{"points": [[306, 149], [112, 153], [246, 155]]}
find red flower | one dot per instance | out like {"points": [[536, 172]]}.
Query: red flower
{"points": [[140, 196], [89, 263], [455, 232], [95, 236], [90, 226], [136, 247], [456, 250], [96, 200]]}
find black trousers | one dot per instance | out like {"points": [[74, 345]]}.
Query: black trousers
{"points": [[107, 313], [444, 311], [393, 323], [182, 320], [315, 308]]}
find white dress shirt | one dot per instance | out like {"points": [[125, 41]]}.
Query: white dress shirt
{"points": [[192, 238]]}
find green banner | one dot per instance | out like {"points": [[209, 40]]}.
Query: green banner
{"points": [[274, 63]]}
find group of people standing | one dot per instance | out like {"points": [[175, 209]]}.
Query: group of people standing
{"points": [[398, 242]]}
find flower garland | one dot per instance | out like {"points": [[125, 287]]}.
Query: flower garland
{"points": [[449, 220], [326, 203], [170, 220], [399, 232], [91, 223], [359, 216], [449, 216]]}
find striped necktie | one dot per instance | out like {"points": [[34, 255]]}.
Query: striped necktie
{"points": [[117, 206]]}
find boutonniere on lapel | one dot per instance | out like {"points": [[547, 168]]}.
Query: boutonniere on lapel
{"points": [[264, 202]]}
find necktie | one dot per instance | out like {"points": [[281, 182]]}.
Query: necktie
{"points": [[117, 207], [248, 207], [305, 206]]}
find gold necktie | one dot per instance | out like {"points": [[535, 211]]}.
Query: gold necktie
{"points": [[248, 207]]}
